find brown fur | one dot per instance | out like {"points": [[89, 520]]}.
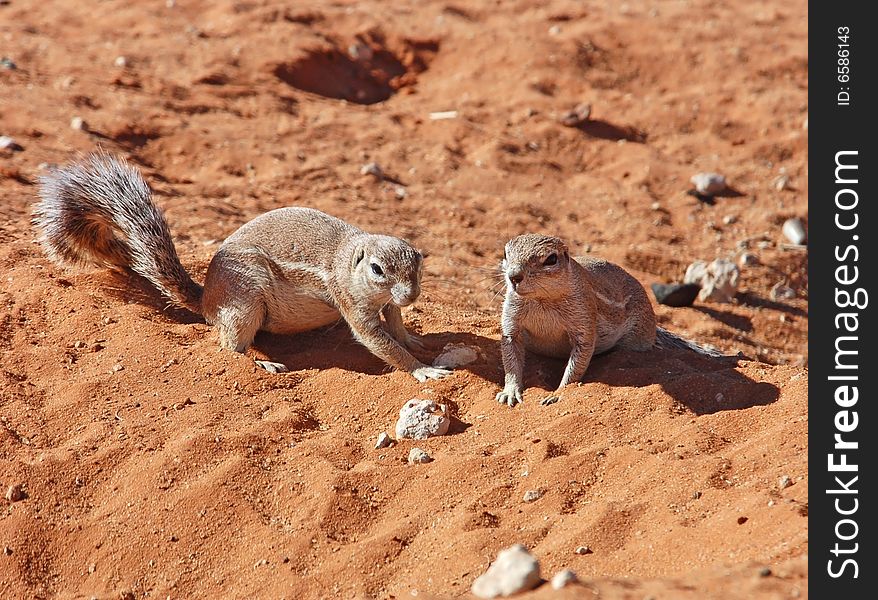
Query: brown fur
{"points": [[286, 271], [570, 308]]}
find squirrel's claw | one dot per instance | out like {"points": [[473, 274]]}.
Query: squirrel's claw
{"points": [[424, 373], [510, 397]]}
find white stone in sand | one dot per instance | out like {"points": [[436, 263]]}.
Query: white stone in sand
{"points": [[514, 571], [563, 578], [456, 355], [718, 279], [708, 184], [421, 419]]}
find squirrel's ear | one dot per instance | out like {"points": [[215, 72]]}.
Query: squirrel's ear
{"points": [[359, 254]]}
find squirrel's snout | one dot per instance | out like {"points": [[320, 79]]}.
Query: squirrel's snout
{"points": [[404, 295], [515, 277]]}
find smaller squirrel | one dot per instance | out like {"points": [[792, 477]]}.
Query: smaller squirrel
{"points": [[571, 308], [286, 271]]}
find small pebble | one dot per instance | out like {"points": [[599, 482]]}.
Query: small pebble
{"points": [[121, 62], [7, 550], [360, 51], [7, 143], [782, 292], [400, 192], [422, 419], [718, 279], [7, 63], [260, 563], [794, 231], [582, 550], [782, 182], [576, 117], [383, 441], [730, 219], [372, 169], [742, 520], [765, 572], [708, 184], [533, 495], [15, 493], [748, 259], [554, 30], [456, 355], [696, 495], [78, 123], [675, 294], [562, 579], [418, 457], [656, 205], [117, 367], [515, 570], [784, 482], [440, 115]]}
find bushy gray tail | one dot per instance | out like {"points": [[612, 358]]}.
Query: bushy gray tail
{"points": [[99, 212], [671, 341]]}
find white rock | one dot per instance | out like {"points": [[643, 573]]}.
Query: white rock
{"points": [[383, 441], [7, 142], [78, 123], [372, 169], [14, 493], [360, 51], [442, 115], [421, 419], [782, 292], [718, 279], [784, 481], [730, 219], [456, 355], [582, 550], [794, 230], [563, 578], [782, 182], [532, 495], [708, 184], [748, 259], [121, 62], [514, 571], [400, 192], [419, 457]]}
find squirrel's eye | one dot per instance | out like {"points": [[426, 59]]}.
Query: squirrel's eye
{"points": [[552, 259], [377, 270]]}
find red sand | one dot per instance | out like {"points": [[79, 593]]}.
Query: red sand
{"points": [[191, 473]]}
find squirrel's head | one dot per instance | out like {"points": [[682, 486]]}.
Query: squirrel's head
{"points": [[535, 266], [388, 268]]}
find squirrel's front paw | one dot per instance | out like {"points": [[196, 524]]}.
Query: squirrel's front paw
{"points": [[424, 373], [510, 396]]}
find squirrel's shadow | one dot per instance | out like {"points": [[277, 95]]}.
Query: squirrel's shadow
{"points": [[703, 384]]}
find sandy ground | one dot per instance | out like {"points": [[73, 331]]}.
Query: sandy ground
{"points": [[156, 466]]}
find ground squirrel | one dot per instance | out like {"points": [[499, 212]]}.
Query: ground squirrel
{"points": [[286, 271], [571, 308]]}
